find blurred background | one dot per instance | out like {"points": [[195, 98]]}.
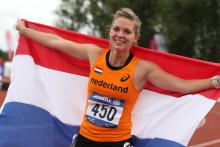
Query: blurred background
{"points": [[184, 27]]}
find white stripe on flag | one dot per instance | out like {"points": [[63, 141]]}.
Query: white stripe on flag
{"points": [[168, 117]]}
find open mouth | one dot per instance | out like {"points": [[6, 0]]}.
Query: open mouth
{"points": [[119, 42]]}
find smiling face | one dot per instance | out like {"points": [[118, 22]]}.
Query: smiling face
{"points": [[122, 34]]}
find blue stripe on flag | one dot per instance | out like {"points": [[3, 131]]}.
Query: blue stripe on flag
{"points": [[24, 125]]}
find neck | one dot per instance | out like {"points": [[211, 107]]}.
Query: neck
{"points": [[118, 59]]}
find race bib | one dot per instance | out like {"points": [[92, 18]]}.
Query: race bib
{"points": [[104, 111]]}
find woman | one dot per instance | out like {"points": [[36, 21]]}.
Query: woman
{"points": [[115, 81]]}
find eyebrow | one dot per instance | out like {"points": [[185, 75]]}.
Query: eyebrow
{"points": [[120, 27]]}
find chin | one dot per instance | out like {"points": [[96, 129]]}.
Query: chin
{"points": [[120, 49]]}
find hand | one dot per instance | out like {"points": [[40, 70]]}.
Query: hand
{"points": [[20, 25]]}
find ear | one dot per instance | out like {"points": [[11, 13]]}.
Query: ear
{"points": [[136, 39]]}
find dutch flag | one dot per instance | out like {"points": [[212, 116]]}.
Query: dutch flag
{"points": [[98, 70], [46, 98]]}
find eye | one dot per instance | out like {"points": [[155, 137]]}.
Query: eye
{"points": [[116, 29], [127, 31]]}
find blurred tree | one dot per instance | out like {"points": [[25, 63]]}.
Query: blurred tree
{"points": [[96, 16], [73, 14], [192, 28], [4, 55]]}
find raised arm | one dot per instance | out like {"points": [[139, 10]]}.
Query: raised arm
{"points": [[87, 52], [157, 76]]}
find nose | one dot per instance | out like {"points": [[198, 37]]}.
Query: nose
{"points": [[120, 34]]}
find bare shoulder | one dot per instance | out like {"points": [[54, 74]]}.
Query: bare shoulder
{"points": [[93, 48], [142, 70], [93, 52], [145, 65]]}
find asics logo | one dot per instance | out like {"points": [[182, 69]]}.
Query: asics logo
{"points": [[125, 78]]}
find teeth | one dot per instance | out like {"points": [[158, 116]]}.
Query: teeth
{"points": [[120, 42]]}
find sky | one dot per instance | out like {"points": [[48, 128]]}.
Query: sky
{"points": [[41, 11]]}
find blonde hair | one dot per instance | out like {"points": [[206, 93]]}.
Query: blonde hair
{"points": [[129, 14]]}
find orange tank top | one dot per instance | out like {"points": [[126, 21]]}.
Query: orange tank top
{"points": [[110, 100]]}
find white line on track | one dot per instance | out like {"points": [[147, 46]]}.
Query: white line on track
{"points": [[205, 144], [202, 123]]}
